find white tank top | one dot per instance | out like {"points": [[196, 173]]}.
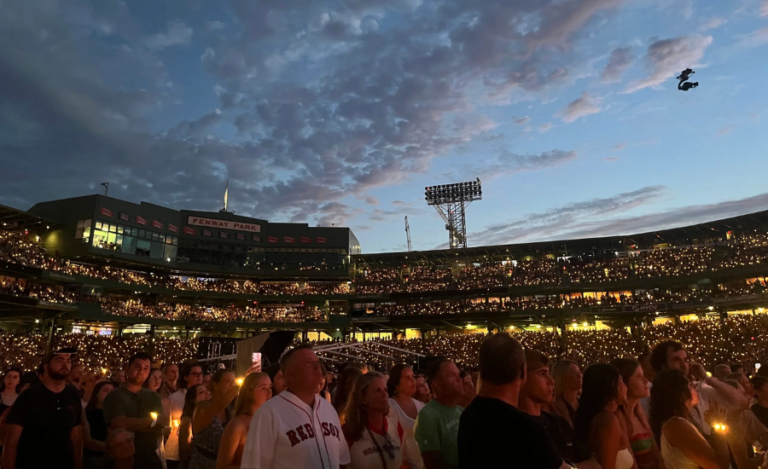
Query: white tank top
{"points": [[624, 459], [673, 457], [411, 455], [367, 452]]}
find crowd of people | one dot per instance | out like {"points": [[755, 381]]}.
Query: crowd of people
{"points": [[97, 352], [522, 407], [47, 293], [695, 296], [742, 250], [183, 311]]}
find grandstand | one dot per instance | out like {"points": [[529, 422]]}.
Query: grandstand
{"points": [[74, 266]]}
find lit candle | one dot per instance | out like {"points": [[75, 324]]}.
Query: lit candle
{"points": [[239, 381]]}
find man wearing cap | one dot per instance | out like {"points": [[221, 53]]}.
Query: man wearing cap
{"points": [[44, 423]]}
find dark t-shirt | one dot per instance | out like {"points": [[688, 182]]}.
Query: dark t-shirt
{"points": [[761, 413], [495, 434], [47, 420], [563, 437], [123, 403]]}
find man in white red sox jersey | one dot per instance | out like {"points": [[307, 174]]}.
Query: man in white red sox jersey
{"points": [[296, 429]]}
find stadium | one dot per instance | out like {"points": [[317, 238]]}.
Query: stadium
{"points": [[105, 272]]}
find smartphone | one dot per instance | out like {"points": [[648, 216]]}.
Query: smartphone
{"points": [[256, 361], [757, 366]]}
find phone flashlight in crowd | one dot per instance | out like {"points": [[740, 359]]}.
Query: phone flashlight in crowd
{"points": [[757, 366], [256, 360]]}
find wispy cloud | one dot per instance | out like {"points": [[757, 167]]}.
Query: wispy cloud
{"points": [[725, 130], [581, 107], [178, 33], [668, 57], [714, 23], [618, 62]]}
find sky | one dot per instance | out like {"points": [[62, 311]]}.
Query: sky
{"points": [[341, 112]]}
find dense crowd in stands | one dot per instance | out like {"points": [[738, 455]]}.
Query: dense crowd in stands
{"points": [[180, 311], [743, 250], [101, 400], [47, 293], [25, 350]]}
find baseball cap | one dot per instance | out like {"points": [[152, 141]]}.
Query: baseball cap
{"points": [[62, 351]]}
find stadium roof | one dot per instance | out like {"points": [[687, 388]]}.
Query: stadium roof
{"points": [[12, 219], [699, 233]]}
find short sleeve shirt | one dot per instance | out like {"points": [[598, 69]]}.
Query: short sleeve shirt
{"points": [[495, 434], [47, 419], [123, 403], [437, 429]]}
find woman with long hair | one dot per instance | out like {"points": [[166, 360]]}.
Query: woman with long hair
{"points": [[596, 423], [256, 390], [154, 380], [9, 388], [632, 416], [682, 444], [423, 393], [347, 380], [374, 437], [194, 395], [94, 414], [568, 382], [210, 418], [400, 387]]}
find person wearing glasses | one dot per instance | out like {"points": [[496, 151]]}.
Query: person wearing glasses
{"points": [[191, 376], [375, 438], [44, 424]]}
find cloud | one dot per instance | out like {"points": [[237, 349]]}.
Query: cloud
{"points": [[178, 34], [399, 203], [311, 114], [666, 58], [619, 146], [545, 127], [214, 25], [508, 163], [569, 218], [611, 158], [764, 8], [725, 130], [714, 23], [521, 120], [371, 200], [580, 107], [618, 62], [754, 39]]}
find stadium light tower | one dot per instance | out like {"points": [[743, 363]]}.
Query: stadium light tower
{"points": [[450, 201]]}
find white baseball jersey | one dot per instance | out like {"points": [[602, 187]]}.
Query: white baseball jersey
{"points": [[286, 433]]}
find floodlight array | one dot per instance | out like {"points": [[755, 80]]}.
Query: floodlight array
{"points": [[458, 192]]}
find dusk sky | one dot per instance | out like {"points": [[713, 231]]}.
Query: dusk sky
{"points": [[341, 112]]}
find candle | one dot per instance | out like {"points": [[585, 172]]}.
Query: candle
{"points": [[239, 381]]}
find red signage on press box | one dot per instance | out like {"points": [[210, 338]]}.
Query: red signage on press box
{"points": [[140, 220], [271, 239], [173, 228], [256, 238], [206, 233], [157, 224], [304, 239], [106, 212], [241, 237], [321, 240], [288, 239], [223, 234], [224, 224], [124, 216], [189, 231]]}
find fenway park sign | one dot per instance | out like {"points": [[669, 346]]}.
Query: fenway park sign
{"points": [[223, 224]]}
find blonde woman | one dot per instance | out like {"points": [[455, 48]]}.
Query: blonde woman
{"points": [[568, 381], [256, 390], [375, 438]]}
